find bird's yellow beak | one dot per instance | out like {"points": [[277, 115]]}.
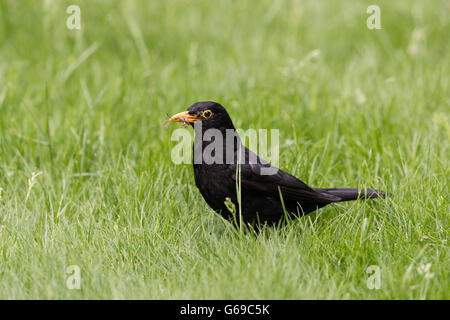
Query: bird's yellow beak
{"points": [[184, 117]]}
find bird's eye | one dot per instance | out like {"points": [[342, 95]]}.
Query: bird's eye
{"points": [[207, 114]]}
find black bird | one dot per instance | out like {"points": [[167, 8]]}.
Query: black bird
{"points": [[263, 190]]}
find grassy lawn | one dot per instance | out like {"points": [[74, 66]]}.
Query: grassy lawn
{"points": [[86, 174]]}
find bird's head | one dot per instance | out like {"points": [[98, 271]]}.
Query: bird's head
{"points": [[211, 114]]}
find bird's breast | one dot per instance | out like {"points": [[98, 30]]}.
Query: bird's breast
{"points": [[215, 184]]}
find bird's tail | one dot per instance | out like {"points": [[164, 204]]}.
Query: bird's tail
{"points": [[348, 194]]}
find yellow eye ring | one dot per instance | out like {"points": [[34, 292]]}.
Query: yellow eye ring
{"points": [[207, 114]]}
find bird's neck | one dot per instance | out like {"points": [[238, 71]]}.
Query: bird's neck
{"points": [[216, 146]]}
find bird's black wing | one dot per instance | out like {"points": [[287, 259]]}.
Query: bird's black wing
{"points": [[267, 180]]}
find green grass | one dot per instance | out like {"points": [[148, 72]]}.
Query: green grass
{"points": [[85, 109]]}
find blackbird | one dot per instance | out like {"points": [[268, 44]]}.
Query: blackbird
{"points": [[244, 185]]}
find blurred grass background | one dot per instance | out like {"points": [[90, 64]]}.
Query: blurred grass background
{"points": [[83, 110]]}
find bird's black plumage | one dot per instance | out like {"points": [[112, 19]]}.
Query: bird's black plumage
{"points": [[262, 196]]}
